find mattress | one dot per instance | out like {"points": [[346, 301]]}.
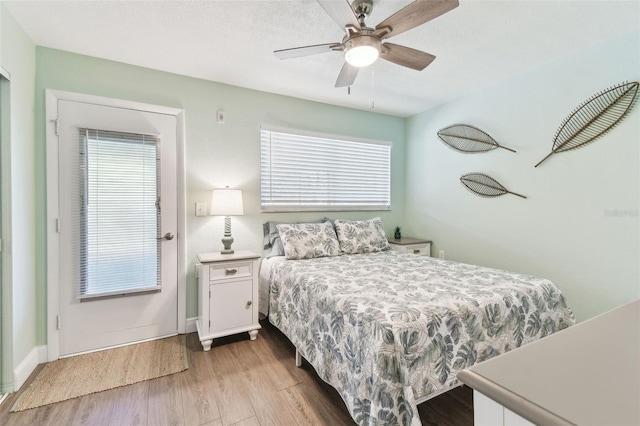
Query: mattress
{"points": [[389, 329]]}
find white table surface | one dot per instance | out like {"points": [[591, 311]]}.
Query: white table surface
{"points": [[588, 374]]}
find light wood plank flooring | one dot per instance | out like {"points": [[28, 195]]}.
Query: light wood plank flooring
{"points": [[239, 382]]}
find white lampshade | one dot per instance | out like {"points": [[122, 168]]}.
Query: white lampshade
{"points": [[226, 202]]}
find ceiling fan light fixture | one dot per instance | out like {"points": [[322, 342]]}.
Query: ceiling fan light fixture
{"points": [[361, 51], [362, 45]]}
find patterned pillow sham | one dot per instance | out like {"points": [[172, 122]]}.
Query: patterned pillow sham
{"points": [[309, 240], [271, 244], [361, 236]]}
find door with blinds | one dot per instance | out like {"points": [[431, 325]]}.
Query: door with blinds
{"points": [[118, 220]]}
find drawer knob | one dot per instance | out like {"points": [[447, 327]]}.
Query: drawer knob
{"points": [[249, 303], [416, 251], [230, 271]]}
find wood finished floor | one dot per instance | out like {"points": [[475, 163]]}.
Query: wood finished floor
{"points": [[239, 382]]}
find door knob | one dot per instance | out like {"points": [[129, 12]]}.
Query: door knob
{"points": [[167, 236]]}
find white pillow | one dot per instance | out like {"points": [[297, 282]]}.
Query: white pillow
{"points": [[308, 240], [361, 236], [272, 245]]}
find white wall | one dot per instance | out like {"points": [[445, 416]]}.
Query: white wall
{"points": [[564, 230], [18, 198]]}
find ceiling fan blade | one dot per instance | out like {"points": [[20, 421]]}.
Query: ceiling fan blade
{"points": [[406, 56], [297, 52], [341, 12], [416, 13], [347, 75]]}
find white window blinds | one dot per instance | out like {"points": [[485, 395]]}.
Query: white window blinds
{"points": [[119, 213], [303, 172]]}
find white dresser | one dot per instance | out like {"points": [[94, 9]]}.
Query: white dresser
{"points": [[228, 295], [587, 374]]}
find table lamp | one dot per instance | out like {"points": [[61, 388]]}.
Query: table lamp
{"points": [[227, 202]]}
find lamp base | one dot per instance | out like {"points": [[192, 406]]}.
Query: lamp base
{"points": [[227, 240]]}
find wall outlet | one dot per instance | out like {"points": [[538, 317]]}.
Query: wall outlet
{"points": [[441, 254], [201, 209]]}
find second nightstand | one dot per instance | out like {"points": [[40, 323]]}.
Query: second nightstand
{"points": [[228, 293], [411, 245]]}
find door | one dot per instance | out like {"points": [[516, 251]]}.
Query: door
{"points": [[230, 305], [118, 280]]}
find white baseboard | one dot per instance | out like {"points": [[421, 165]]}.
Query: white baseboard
{"points": [[191, 325], [21, 373]]}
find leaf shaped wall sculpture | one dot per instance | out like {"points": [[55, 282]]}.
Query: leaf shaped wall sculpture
{"points": [[468, 139], [485, 186], [594, 117]]}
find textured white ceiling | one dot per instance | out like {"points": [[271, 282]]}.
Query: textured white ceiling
{"points": [[479, 43]]}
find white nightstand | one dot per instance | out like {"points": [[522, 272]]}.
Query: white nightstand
{"points": [[228, 295], [411, 245]]}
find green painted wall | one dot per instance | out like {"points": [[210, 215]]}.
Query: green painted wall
{"points": [[579, 226], [216, 154]]}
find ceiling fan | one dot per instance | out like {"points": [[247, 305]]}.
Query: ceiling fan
{"points": [[362, 45]]}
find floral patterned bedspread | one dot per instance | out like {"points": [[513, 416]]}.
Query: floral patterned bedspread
{"points": [[387, 329]]}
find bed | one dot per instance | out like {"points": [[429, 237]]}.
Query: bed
{"points": [[389, 330]]}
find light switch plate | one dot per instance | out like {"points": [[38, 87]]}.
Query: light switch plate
{"points": [[201, 209]]}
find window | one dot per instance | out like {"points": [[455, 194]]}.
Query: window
{"points": [[120, 218], [307, 172]]}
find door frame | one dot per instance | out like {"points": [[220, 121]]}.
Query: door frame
{"points": [[53, 208], [7, 381]]}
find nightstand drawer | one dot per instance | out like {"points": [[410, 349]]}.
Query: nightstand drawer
{"points": [[421, 249], [224, 271], [411, 245]]}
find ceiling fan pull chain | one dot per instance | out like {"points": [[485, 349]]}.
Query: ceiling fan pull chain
{"points": [[373, 89]]}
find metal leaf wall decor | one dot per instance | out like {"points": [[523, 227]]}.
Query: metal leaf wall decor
{"points": [[468, 139], [594, 117], [485, 186]]}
